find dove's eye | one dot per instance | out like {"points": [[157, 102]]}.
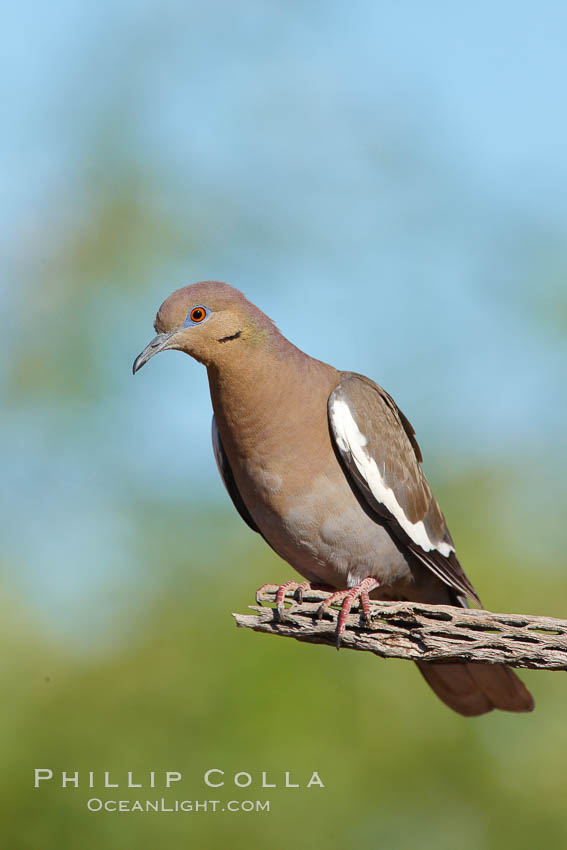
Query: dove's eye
{"points": [[196, 315]]}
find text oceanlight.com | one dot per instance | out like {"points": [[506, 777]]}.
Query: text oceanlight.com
{"points": [[95, 804]]}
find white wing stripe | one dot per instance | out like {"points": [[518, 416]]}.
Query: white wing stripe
{"points": [[350, 439]]}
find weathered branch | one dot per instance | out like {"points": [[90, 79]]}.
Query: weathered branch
{"points": [[420, 632]]}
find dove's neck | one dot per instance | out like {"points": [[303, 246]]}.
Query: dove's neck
{"points": [[266, 394]]}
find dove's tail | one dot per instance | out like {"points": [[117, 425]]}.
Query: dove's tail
{"points": [[477, 688], [472, 689]]}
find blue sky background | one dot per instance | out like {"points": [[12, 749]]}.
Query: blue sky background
{"points": [[408, 160]]}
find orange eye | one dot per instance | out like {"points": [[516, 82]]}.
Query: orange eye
{"points": [[196, 315]]}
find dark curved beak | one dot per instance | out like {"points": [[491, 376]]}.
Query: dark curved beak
{"points": [[158, 343]]}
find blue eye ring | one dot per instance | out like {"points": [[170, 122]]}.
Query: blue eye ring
{"points": [[196, 315]]}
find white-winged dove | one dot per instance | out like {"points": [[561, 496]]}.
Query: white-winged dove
{"points": [[325, 466]]}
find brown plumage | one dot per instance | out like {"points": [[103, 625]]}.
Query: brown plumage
{"points": [[327, 469]]}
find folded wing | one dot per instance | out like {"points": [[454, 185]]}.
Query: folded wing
{"points": [[381, 457]]}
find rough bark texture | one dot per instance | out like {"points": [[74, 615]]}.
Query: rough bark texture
{"points": [[420, 632]]}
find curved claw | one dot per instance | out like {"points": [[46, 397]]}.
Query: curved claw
{"points": [[348, 597], [281, 591]]}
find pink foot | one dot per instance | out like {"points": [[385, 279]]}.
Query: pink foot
{"points": [[281, 589], [348, 597]]}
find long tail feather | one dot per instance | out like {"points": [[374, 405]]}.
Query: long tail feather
{"points": [[472, 689]]}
